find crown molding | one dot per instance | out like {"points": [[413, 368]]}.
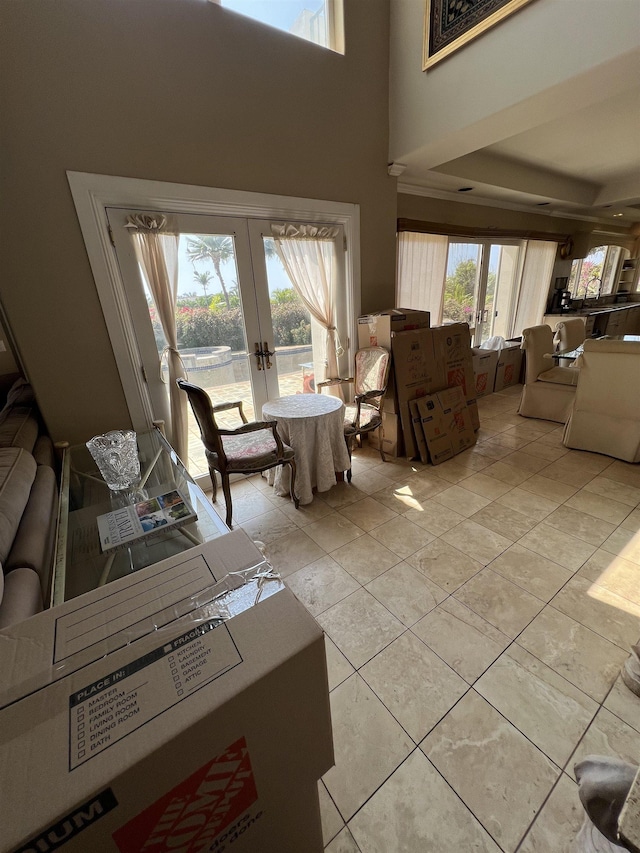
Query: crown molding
{"points": [[445, 195]]}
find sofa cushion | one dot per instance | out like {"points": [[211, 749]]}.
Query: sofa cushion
{"points": [[17, 473], [22, 597], [20, 394], [33, 544], [19, 427], [19, 418], [43, 452]]}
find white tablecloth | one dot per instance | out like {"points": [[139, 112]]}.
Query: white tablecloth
{"points": [[313, 425]]}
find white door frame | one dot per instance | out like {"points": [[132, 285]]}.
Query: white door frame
{"points": [[92, 194]]}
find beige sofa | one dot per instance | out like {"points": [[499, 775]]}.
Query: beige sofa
{"points": [[28, 506]]}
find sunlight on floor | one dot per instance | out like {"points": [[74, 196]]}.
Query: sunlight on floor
{"points": [[621, 578]]}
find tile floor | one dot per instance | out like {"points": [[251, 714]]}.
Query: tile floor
{"points": [[476, 617]]}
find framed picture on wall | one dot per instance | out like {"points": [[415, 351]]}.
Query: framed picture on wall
{"points": [[450, 24]]}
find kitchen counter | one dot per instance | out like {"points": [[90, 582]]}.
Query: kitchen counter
{"points": [[603, 320], [596, 309]]}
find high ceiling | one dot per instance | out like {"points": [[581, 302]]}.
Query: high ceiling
{"points": [[569, 146], [584, 164]]}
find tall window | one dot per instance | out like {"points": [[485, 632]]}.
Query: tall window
{"points": [[481, 284], [318, 21], [595, 275], [497, 286]]}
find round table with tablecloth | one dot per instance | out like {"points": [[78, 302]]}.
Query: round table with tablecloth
{"points": [[313, 425]]}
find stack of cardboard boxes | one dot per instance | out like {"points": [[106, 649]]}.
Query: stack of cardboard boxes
{"points": [[497, 369], [426, 362], [377, 330]]}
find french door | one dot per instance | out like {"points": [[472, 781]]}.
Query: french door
{"points": [[243, 333], [481, 286]]}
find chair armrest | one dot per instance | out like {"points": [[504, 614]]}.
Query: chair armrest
{"points": [[369, 395], [359, 399], [254, 426], [258, 426], [336, 381], [225, 407]]}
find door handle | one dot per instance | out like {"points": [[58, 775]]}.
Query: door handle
{"points": [[263, 355]]}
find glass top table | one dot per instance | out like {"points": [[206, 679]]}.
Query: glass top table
{"points": [[575, 353], [80, 563]]}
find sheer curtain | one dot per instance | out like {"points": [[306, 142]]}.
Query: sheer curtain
{"points": [[534, 284], [308, 255], [157, 253], [421, 272]]}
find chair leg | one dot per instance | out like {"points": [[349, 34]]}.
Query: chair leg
{"points": [[294, 497], [350, 449], [226, 488], [214, 485]]}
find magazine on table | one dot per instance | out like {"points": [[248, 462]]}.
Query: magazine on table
{"points": [[143, 519]]}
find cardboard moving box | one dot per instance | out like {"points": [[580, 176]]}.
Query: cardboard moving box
{"points": [[180, 708], [390, 401], [485, 362], [509, 366], [417, 373], [452, 348], [430, 360], [376, 330], [390, 434], [418, 432], [446, 423]]}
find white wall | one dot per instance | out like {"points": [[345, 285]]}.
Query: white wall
{"points": [[549, 58]]}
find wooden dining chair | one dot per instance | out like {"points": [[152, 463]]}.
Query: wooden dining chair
{"points": [[370, 378], [249, 449]]}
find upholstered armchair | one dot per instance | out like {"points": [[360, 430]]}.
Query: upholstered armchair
{"points": [[605, 417], [569, 334], [248, 449], [548, 391], [364, 415]]}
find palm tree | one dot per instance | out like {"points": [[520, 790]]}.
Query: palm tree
{"points": [[270, 248], [215, 249], [203, 279]]}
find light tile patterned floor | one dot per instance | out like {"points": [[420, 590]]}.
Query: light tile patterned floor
{"points": [[476, 615]]}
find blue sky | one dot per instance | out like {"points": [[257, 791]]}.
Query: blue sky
{"points": [[459, 252], [278, 13]]}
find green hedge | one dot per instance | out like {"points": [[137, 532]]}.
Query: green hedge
{"points": [[200, 327]]}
